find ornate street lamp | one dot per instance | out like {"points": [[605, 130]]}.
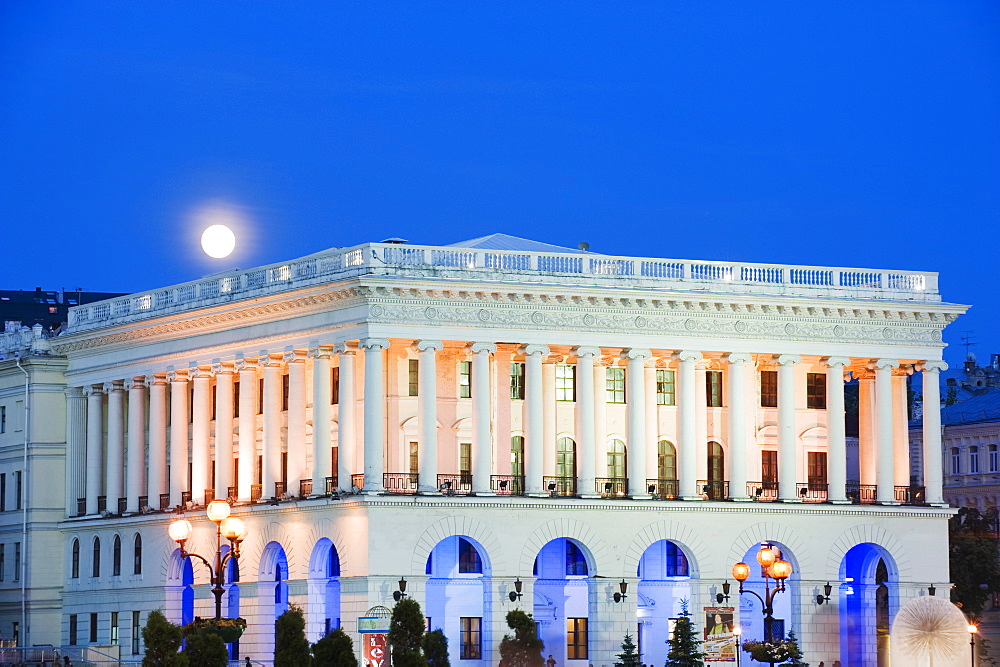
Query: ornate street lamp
{"points": [[972, 642], [515, 594], [623, 588], [737, 631], [230, 527], [773, 568]]}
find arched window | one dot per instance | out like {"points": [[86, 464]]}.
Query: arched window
{"points": [[566, 458], [75, 569], [576, 563], [137, 555], [116, 557], [956, 461], [666, 461], [616, 459], [469, 561], [333, 563], [97, 558], [716, 462], [517, 455], [973, 459]]}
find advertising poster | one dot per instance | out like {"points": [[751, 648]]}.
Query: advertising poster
{"points": [[375, 652], [720, 642]]}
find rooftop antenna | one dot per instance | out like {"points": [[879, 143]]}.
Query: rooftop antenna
{"points": [[967, 342]]}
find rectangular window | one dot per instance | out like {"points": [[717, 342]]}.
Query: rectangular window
{"points": [[666, 388], [974, 460], [260, 396], [713, 389], [3, 492], [260, 469], [335, 385], [517, 381], [413, 376], [576, 639], [472, 638], [3, 418], [114, 628], [465, 379], [517, 455], [956, 461], [816, 468], [18, 488], [17, 561], [414, 458], [769, 467], [465, 458], [615, 384], [3, 559], [816, 391], [994, 462], [284, 393], [215, 402], [236, 399], [72, 629], [565, 382], [769, 389], [93, 628], [136, 633], [284, 469]]}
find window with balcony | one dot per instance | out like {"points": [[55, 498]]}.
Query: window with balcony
{"points": [[566, 458], [769, 389], [517, 455], [616, 459], [414, 457], [769, 467], [666, 460], [666, 388], [816, 468], [465, 458]]}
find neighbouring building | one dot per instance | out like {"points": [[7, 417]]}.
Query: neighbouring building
{"points": [[502, 424]]}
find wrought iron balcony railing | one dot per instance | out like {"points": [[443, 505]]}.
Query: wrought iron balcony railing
{"points": [[507, 485]]}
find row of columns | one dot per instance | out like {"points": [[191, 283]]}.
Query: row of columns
{"points": [[95, 476]]}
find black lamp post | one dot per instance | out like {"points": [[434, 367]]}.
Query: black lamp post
{"points": [[972, 642], [401, 593], [230, 527], [825, 597], [515, 594], [623, 587], [773, 569]]}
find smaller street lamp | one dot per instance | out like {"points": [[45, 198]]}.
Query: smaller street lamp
{"points": [[972, 642], [401, 593], [737, 631], [515, 594], [623, 587], [825, 597], [230, 527]]}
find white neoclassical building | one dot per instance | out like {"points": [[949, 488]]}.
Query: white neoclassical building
{"points": [[494, 416]]}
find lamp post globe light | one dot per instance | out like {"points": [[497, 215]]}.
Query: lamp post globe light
{"points": [[230, 527], [973, 629], [773, 568]]}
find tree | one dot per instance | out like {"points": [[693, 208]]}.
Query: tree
{"points": [[334, 650], [291, 648], [406, 631], [684, 644], [436, 649], [794, 652], [206, 649], [628, 657], [524, 649], [973, 559], [162, 639]]}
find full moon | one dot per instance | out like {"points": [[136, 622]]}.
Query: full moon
{"points": [[218, 241]]}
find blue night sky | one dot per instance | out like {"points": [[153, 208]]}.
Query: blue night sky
{"points": [[845, 134]]}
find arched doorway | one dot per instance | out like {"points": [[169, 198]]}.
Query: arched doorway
{"points": [[232, 601], [323, 615], [180, 589], [664, 581], [869, 601], [458, 599], [561, 608], [272, 591]]}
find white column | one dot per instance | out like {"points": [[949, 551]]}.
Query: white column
{"points": [[549, 423], [223, 430], [900, 420], [635, 406], [533, 419], [76, 448], [346, 416], [95, 445], [374, 427], [201, 429], [322, 458], [687, 445], [866, 427], [933, 473], [156, 480], [296, 442], [482, 418], [652, 412], [246, 425], [585, 426], [836, 442], [788, 450], [178, 435], [737, 379], [115, 475], [427, 413], [136, 459], [701, 422], [271, 365], [885, 492]]}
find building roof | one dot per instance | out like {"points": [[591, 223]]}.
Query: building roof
{"points": [[978, 409], [508, 242]]}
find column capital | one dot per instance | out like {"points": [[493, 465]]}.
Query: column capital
{"points": [[294, 356], [202, 372], [93, 390], [831, 362], [880, 364], [74, 392], [636, 353], [321, 352], [372, 343], [345, 347], [270, 361], [686, 355], [788, 359], [223, 368], [479, 348], [156, 378], [175, 375], [428, 346], [738, 358], [933, 366], [115, 385], [135, 383], [241, 365], [586, 351], [529, 350]]}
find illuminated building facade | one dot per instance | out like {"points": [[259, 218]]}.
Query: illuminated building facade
{"points": [[499, 413]]}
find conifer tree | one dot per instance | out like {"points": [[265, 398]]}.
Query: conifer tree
{"points": [[334, 650], [685, 647], [524, 649], [436, 649], [794, 652], [291, 648], [406, 631], [162, 639], [206, 649], [628, 657]]}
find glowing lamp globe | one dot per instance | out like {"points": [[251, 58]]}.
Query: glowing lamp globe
{"points": [[179, 530], [737, 631], [741, 572], [781, 569], [217, 510], [972, 629], [233, 528], [766, 556]]}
